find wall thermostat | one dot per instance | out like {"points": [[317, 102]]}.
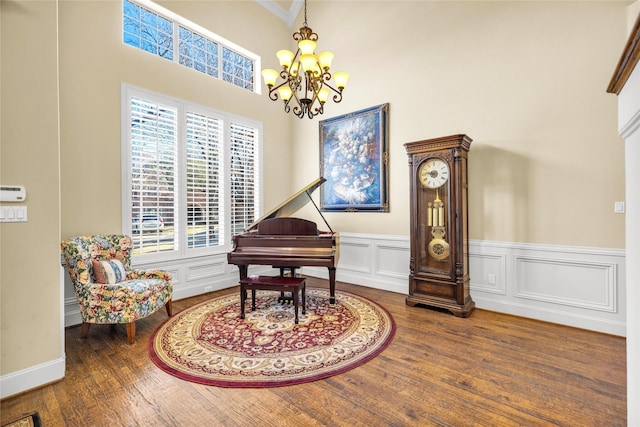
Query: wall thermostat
{"points": [[12, 193]]}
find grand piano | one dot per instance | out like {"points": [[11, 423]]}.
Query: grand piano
{"points": [[285, 242]]}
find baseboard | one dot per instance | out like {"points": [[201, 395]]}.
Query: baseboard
{"points": [[550, 315], [32, 377]]}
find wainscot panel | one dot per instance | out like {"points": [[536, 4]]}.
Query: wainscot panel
{"points": [[376, 261], [575, 286]]}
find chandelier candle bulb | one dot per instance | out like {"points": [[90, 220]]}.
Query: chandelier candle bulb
{"points": [[285, 57], [270, 76], [308, 61], [341, 79], [285, 92], [306, 46], [323, 95], [325, 59]]}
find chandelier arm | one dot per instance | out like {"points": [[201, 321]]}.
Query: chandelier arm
{"points": [[338, 93], [316, 111], [298, 108], [287, 108], [273, 91], [298, 111], [313, 87]]}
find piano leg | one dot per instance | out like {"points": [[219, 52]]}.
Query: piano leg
{"points": [[332, 285], [244, 271]]}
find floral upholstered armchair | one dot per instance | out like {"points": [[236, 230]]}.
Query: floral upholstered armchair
{"points": [[108, 291]]}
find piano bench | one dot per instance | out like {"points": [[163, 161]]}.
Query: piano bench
{"points": [[272, 283]]}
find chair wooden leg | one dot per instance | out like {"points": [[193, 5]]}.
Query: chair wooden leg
{"points": [[85, 330], [169, 307], [131, 332]]}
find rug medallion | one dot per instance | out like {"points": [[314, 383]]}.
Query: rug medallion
{"points": [[209, 343]]}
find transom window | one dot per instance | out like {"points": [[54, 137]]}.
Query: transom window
{"points": [[161, 32], [191, 175]]}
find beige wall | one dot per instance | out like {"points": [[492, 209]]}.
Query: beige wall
{"points": [[29, 156], [525, 80], [633, 14], [93, 64]]}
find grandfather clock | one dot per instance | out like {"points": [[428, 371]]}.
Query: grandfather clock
{"points": [[439, 264]]}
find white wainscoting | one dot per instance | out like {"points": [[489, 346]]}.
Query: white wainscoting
{"points": [[576, 286], [376, 261]]}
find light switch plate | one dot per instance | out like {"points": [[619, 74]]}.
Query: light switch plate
{"points": [[13, 214]]}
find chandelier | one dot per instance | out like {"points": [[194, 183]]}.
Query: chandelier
{"points": [[305, 76]]}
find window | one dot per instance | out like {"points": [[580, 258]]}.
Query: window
{"points": [[151, 28], [198, 53], [191, 175], [147, 30]]}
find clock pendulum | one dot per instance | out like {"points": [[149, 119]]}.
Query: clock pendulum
{"points": [[438, 246]]}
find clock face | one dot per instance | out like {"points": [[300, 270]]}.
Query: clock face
{"points": [[434, 173]]}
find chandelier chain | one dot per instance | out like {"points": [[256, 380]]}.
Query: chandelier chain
{"points": [[305, 13]]}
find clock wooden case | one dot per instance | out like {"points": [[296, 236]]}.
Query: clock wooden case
{"points": [[439, 263]]}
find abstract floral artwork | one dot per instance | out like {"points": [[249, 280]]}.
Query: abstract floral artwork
{"points": [[354, 161]]}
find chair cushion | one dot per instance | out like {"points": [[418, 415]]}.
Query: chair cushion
{"points": [[108, 271]]}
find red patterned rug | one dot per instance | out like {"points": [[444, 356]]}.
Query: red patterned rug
{"points": [[209, 343]]}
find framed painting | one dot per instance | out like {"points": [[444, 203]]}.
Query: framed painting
{"points": [[354, 161]]}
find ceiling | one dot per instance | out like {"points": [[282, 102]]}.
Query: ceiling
{"points": [[287, 10]]}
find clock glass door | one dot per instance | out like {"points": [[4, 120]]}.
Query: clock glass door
{"points": [[433, 216]]}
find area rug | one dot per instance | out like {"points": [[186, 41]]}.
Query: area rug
{"points": [[209, 343], [30, 420]]}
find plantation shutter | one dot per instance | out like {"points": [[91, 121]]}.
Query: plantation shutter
{"points": [[243, 173], [204, 180], [190, 176], [153, 139]]}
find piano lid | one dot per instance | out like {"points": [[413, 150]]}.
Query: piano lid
{"points": [[293, 204]]}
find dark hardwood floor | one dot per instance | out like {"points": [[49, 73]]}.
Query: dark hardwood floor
{"points": [[490, 369]]}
